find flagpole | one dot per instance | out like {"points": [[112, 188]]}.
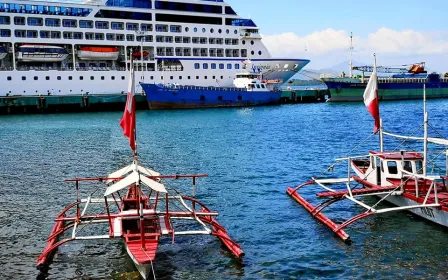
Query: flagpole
{"points": [[133, 104]]}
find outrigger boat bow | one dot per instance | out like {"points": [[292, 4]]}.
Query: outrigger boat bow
{"points": [[398, 177], [133, 204]]}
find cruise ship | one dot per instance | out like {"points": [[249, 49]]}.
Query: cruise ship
{"points": [[71, 48]]}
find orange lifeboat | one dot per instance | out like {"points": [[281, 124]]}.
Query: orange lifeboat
{"points": [[98, 53], [138, 54]]}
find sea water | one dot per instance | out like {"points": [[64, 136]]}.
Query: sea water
{"points": [[251, 156]]}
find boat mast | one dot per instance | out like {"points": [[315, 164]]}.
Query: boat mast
{"points": [[425, 135], [351, 54]]}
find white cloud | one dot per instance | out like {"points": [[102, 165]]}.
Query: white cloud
{"points": [[328, 47], [386, 41]]}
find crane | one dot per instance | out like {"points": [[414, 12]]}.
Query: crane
{"points": [[415, 68]]}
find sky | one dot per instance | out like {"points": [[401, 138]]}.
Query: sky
{"points": [[399, 32]]}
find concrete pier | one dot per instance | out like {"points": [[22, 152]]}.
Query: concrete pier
{"points": [[19, 104], [304, 96]]}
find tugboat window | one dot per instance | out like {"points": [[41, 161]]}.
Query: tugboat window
{"points": [[392, 167]]}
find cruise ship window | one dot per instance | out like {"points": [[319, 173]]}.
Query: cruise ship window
{"points": [[212, 30], [229, 66], [81, 78], [70, 78], [19, 20], [205, 66], [237, 66], [102, 77], [203, 30], [187, 29], [129, 37], [35, 78], [122, 77], [222, 77], [195, 29], [214, 77], [23, 78], [171, 77], [197, 77], [5, 20], [221, 66], [252, 52], [86, 24], [235, 31], [9, 78], [252, 42], [219, 31], [92, 78], [196, 66], [5, 33], [243, 42], [34, 21], [180, 77], [112, 77], [213, 65], [59, 78], [227, 31], [205, 77], [53, 22], [189, 77], [259, 52]]}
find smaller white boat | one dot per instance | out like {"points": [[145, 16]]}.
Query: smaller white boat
{"points": [[41, 53], [3, 52], [98, 53]]}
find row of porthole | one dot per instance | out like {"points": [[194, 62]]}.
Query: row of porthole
{"points": [[9, 78], [189, 77], [251, 42], [211, 30]]}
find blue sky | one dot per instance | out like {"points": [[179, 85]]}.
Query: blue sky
{"points": [[398, 31]]}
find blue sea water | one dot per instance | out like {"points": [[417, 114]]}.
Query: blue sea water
{"points": [[251, 155]]}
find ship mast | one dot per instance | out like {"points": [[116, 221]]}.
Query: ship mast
{"points": [[351, 54]]}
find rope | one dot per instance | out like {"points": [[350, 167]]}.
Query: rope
{"points": [[152, 266]]}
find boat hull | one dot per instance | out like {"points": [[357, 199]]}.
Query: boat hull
{"points": [[191, 97], [346, 91], [433, 214], [92, 55], [143, 268]]}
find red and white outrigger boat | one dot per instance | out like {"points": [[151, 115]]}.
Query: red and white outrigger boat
{"points": [[133, 204], [398, 177]]}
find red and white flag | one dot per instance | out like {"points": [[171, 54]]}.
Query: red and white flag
{"points": [[127, 122], [371, 98]]}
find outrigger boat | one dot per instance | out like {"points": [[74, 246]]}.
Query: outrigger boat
{"points": [[397, 176], [136, 207]]}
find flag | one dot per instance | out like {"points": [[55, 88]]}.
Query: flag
{"points": [[371, 98], [127, 121]]}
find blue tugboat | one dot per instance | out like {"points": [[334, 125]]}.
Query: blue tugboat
{"points": [[248, 90]]}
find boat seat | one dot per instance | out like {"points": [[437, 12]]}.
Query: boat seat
{"points": [[163, 228], [117, 227]]}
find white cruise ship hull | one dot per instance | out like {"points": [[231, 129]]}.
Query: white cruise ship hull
{"points": [[36, 81]]}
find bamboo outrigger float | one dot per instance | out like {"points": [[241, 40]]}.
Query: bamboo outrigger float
{"points": [[133, 204], [398, 177]]}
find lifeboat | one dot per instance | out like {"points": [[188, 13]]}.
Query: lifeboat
{"points": [[98, 53], [41, 53], [138, 54], [3, 52]]}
